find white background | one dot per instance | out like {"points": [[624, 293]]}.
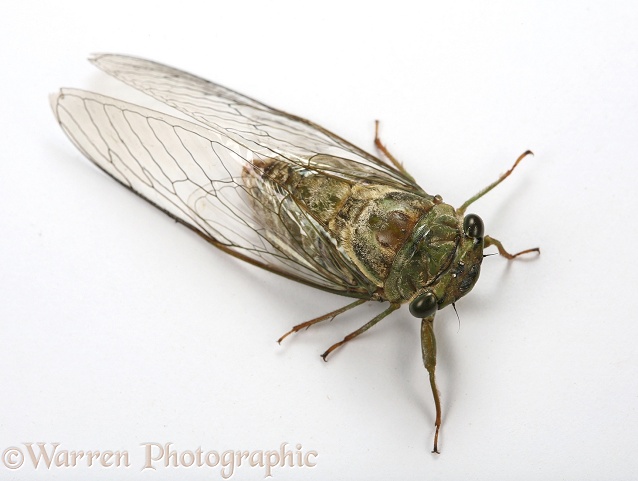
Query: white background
{"points": [[119, 327]]}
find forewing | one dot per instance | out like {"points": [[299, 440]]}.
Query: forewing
{"points": [[198, 176], [252, 124]]}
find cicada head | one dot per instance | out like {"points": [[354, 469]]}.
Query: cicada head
{"points": [[440, 263], [464, 271]]}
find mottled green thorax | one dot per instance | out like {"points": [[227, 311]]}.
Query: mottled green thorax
{"points": [[437, 258], [373, 223]]}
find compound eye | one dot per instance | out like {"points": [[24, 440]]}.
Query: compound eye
{"points": [[473, 226], [424, 306]]}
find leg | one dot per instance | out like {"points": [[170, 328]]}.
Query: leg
{"points": [[384, 150], [428, 347], [361, 330], [330, 315], [490, 241], [481, 193]]}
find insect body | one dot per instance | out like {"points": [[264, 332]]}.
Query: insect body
{"points": [[284, 194]]}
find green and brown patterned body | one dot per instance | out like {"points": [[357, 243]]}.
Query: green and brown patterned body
{"points": [[403, 243]]}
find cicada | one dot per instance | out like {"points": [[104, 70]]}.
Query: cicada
{"points": [[284, 194]]}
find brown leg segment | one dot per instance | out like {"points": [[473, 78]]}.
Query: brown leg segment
{"points": [[428, 348], [482, 192], [386, 152], [490, 241], [330, 315], [361, 330]]}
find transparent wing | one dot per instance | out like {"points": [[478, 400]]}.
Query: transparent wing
{"points": [[252, 124], [209, 182]]}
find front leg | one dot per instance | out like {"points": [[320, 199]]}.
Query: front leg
{"points": [[428, 348], [490, 241]]}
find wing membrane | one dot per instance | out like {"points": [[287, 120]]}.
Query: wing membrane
{"points": [[201, 177], [250, 123]]}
